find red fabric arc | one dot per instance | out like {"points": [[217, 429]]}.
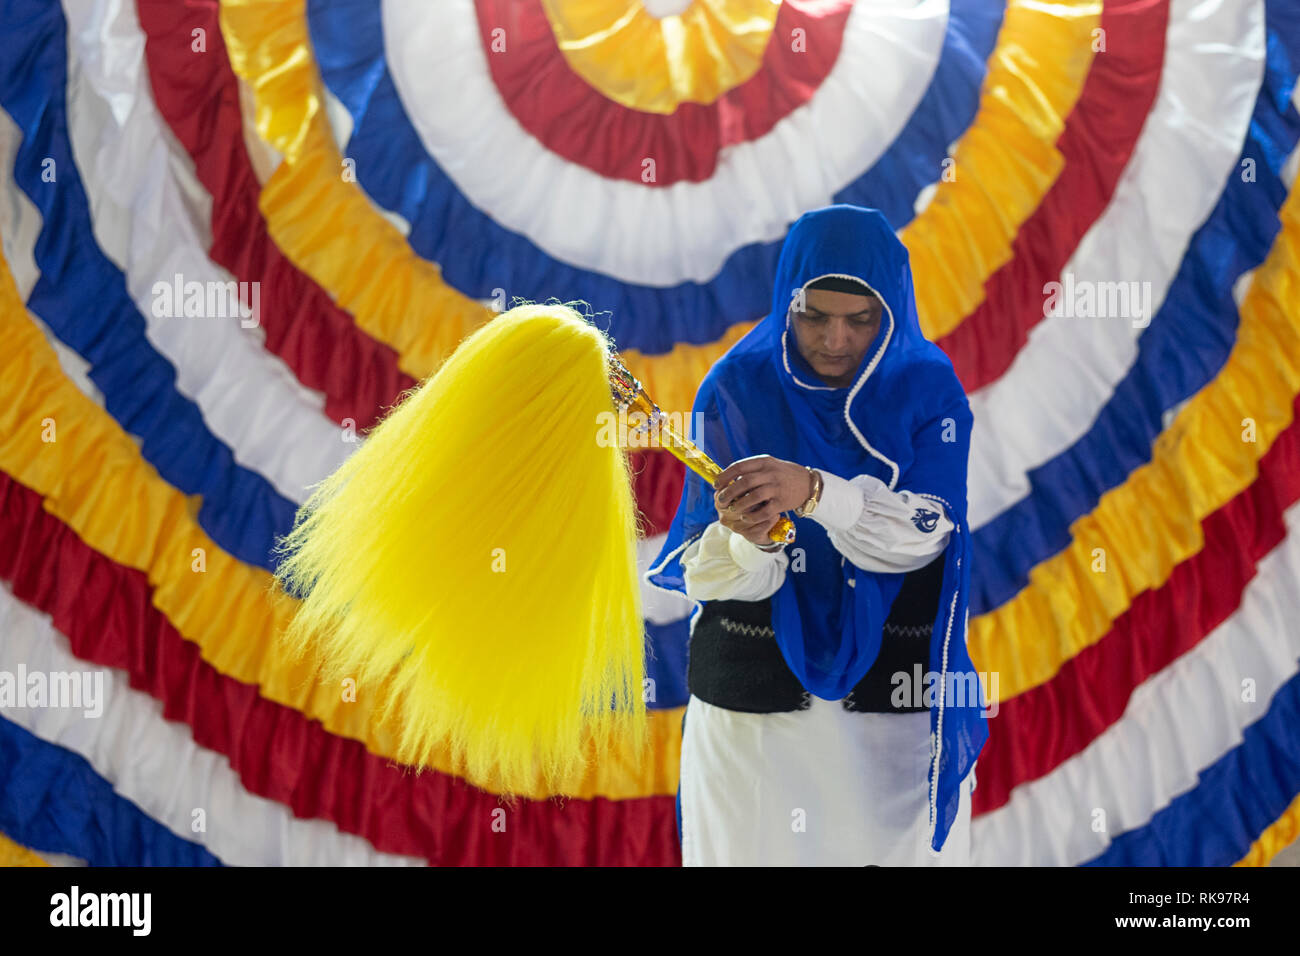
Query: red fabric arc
{"points": [[1092, 690], [105, 610], [657, 479], [1100, 135], [198, 97], [578, 123]]}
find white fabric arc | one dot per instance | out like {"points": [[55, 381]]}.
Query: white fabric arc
{"points": [[1177, 723], [20, 220], [151, 218], [1068, 369], [659, 9], [155, 763], [684, 231]]}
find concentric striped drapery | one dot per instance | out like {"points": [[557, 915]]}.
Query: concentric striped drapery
{"points": [[382, 172]]}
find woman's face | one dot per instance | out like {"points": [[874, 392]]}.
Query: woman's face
{"points": [[834, 331]]}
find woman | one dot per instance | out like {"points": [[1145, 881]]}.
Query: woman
{"points": [[834, 717]]}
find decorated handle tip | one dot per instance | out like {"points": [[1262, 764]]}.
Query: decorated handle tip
{"points": [[782, 532]]}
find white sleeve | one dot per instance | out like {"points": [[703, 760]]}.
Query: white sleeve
{"points": [[722, 565], [878, 529]]}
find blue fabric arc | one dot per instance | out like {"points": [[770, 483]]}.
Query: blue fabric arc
{"points": [[665, 663], [1235, 799], [906, 421], [53, 801], [399, 174]]}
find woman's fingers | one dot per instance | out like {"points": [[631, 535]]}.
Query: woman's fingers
{"points": [[736, 523], [762, 484], [739, 486], [747, 518], [748, 504], [744, 467], [760, 514], [763, 515], [747, 493]]}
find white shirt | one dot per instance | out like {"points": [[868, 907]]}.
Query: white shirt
{"points": [[871, 526]]}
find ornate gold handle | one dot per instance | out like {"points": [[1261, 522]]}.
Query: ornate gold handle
{"points": [[629, 394]]}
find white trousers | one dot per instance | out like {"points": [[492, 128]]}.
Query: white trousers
{"points": [[817, 787]]}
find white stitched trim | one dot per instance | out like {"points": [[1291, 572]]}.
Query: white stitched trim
{"points": [[751, 630], [853, 393], [650, 572], [943, 683], [909, 630], [669, 556], [871, 367], [785, 358], [938, 742]]}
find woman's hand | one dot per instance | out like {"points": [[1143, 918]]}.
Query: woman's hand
{"points": [[754, 492]]}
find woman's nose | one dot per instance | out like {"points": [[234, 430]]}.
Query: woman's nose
{"points": [[836, 336]]}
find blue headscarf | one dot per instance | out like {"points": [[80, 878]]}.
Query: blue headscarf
{"points": [[905, 420]]}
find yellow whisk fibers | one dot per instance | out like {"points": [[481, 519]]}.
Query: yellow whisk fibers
{"points": [[473, 564]]}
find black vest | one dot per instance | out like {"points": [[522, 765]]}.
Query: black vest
{"points": [[734, 662]]}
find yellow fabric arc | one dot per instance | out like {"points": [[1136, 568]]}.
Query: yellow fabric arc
{"points": [[1279, 835], [476, 558], [1005, 162], [655, 64], [15, 854]]}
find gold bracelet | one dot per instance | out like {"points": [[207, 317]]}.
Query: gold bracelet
{"points": [[805, 509]]}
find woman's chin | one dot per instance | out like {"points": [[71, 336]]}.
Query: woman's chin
{"points": [[837, 376]]}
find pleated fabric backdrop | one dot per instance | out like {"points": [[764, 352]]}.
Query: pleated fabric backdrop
{"points": [[382, 174]]}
